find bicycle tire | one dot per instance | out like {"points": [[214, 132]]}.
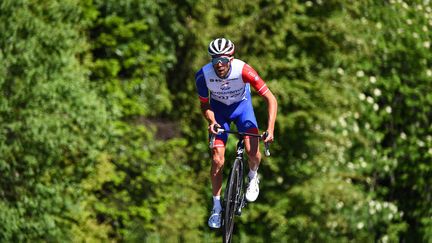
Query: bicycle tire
{"points": [[231, 202]]}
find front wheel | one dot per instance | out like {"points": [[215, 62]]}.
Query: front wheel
{"points": [[231, 202]]}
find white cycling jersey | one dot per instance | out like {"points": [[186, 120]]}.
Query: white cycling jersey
{"points": [[232, 89]]}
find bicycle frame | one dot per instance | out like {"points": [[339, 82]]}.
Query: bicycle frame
{"points": [[234, 196]]}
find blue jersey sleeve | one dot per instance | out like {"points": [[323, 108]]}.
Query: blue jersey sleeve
{"points": [[201, 86]]}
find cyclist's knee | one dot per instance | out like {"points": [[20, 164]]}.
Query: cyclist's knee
{"points": [[218, 161], [254, 155]]}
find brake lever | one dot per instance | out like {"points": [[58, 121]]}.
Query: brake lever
{"points": [[219, 130], [212, 140], [266, 144]]}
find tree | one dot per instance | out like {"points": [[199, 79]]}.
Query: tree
{"points": [[393, 69], [150, 186], [52, 125]]}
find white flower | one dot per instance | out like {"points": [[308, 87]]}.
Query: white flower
{"points": [[360, 225], [309, 4], [370, 100], [342, 122], [430, 151], [339, 205], [403, 135], [279, 180], [378, 206], [372, 79], [409, 21], [379, 25], [377, 92], [426, 44], [357, 115], [393, 208], [362, 96], [420, 143], [429, 72], [356, 128], [425, 28], [375, 107], [415, 35], [405, 5], [388, 109], [360, 73], [340, 71]]}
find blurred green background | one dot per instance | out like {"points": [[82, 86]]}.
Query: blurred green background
{"points": [[102, 140]]}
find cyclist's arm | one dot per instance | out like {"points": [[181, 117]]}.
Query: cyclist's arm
{"points": [[209, 116], [204, 100], [249, 75], [272, 112], [208, 113]]}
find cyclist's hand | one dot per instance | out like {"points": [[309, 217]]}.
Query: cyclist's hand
{"points": [[269, 138], [213, 127]]}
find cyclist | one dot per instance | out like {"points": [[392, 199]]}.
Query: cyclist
{"points": [[223, 87]]}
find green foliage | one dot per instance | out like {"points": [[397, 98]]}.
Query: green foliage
{"points": [[149, 189], [101, 139], [395, 108], [129, 63], [327, 209], [52, 125]]}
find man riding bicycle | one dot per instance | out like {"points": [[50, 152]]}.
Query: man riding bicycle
{"points": [[228, 81]]}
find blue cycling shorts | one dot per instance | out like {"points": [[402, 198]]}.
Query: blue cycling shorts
{"points": [[241, 113]]}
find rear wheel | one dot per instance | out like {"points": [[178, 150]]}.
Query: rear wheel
{"points": [[231, 203]]}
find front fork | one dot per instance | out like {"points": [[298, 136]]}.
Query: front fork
{"points": [[241, 195], [241, 205]]}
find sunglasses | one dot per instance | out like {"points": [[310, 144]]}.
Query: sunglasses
{"points": [[223, 60]]}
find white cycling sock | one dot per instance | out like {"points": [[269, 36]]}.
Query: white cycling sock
{"points": [[252, 173], [216, 203]]}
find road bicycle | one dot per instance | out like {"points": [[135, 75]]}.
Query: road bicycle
{"points": [[234, 197]]}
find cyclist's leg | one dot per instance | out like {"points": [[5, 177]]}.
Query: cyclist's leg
{"points": [[246, 122], [216, 172], [218, 156], [218, 161]]}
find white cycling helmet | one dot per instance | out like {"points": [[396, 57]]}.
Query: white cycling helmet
{"points": [[221, 46]]}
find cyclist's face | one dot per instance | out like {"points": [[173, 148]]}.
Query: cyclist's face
{"points": [[221, 65]]}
